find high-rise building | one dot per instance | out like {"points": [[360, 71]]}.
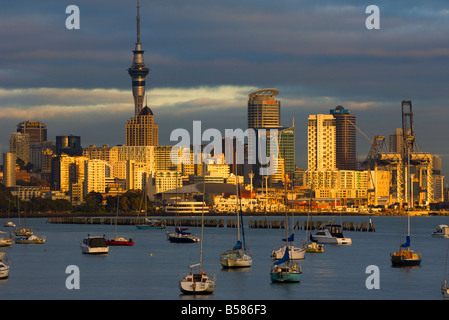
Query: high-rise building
{"points": [[70, 145], [35, 129], [19, 143], [138, 71], [263, 109], [9, 169], [321, 131], [141, 130], [345, 139], [94, 176]]}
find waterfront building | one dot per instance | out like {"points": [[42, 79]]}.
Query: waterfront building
{"points": [[163, 159], [36, 130], [345, 139]]}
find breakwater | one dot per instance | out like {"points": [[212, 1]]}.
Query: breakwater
{"points": [[217, 223]]}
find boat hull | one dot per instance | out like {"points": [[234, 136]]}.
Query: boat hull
{"points": [[97, 250], [332, 240], [314, 248], [173, 237], [4, 272], [29, 240], [285, 277], [120, 243], [235, 259], [197, 284], [405, 259], [295, 253]]}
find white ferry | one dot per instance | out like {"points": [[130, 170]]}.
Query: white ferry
{"points": [[187, 207]]}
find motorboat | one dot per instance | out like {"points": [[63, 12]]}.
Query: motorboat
{"points": [[331, 233], [313, 247], [4, 266], [31, 239], [442, 231], [119, 241], [197, 283], [94, 245], [181, 235], [6, 240]]}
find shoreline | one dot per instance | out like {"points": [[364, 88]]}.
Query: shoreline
{"points": [[5, 215]]}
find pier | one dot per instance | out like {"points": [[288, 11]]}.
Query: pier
{"points": [[215, 223]]}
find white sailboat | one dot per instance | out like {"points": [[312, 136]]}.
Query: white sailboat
{"points": [[309, 245], [6, 239], [198, 282], [237, 257]]}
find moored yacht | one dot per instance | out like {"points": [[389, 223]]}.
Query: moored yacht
{"points": [[94, 245], [442, 231], [4, 266], [331, 233]]}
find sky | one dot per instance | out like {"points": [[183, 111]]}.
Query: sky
{"points": [[206, 57]]}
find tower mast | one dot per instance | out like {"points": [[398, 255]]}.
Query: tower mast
{"points": [[138, 71]]}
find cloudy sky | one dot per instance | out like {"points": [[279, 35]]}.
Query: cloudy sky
{"points": [[207, 56]]}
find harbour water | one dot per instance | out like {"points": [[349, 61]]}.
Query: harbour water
{"points": [[150, 269]]}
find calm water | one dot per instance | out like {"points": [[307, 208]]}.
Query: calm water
{"points": [[151, 268]]}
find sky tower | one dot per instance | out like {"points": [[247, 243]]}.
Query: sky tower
{"points": [[138, 71]]}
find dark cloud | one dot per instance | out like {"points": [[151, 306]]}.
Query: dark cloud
{"points": [[318, 53]]}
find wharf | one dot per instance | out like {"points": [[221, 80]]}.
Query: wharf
{"points": [[217, 223]]}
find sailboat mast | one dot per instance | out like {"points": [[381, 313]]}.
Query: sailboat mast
{"points": [[202, 221], [237, 206]]}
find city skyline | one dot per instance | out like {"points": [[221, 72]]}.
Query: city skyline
{"points": [[317, 56]]}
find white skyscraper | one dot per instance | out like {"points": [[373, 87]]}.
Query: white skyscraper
{"points": [[321, 142]]}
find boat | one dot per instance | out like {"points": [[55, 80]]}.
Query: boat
{"points": [[6, 240], [151, 224], [406, 257], [119, 240], [283, 270], [9, 224], [31, 239], [295, 253], [4, 266], [237, 257], [442, 231], [182, 235], [311, 246], [330, 233], [94, 245], [445, 289], [198, 282], [23, 232]]}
